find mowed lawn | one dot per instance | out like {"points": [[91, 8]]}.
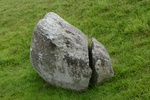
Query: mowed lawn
{"points": [[123, 26]]}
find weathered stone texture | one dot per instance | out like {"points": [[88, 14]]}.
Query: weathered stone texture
{"points": [[59, 53], [101, 63]]}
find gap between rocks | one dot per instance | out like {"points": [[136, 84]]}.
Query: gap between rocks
{"points": [[93, 78]]}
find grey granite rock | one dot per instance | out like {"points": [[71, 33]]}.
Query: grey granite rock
{"points": [[59, 53], [101, 63]]}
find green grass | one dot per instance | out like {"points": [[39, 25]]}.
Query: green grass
{"points": [[123, 26]]}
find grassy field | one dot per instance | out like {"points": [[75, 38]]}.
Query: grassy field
{"points": [[123, 26]]}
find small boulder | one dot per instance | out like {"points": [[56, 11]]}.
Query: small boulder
{"points": [[101, 63]]}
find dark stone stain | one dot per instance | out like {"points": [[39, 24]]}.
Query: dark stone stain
{"points": [[60, 24], [102, 62], [78, 40], [70, 32], [70, 61], [82, 63], [52, 45], [75, 62], [67, 43], [76, 66]]}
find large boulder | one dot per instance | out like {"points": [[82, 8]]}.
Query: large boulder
{"points": [[101, 63], [59, 53]]}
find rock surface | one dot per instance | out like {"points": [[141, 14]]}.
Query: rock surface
{"points": [[59, 53], [101, 63]]}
